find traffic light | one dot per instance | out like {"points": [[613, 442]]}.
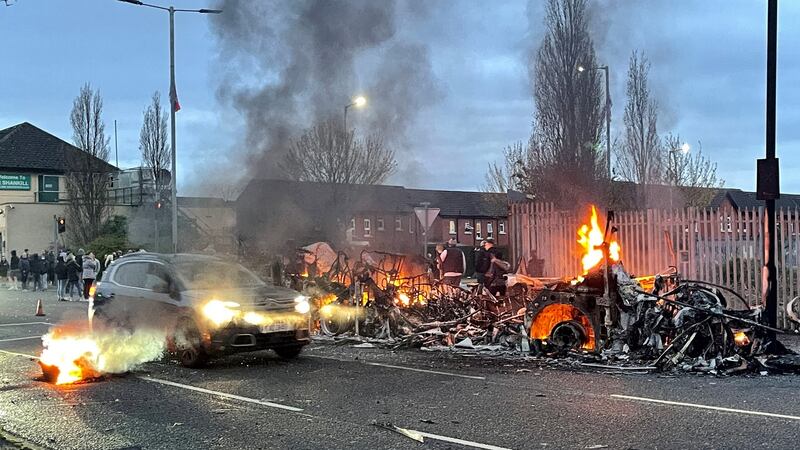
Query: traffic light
{"points": [[62, 226]]}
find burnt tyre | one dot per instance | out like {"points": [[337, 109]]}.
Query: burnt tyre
{"points": [[188, 346], [289, 352], [334, 326]]}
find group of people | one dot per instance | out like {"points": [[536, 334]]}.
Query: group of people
{"points": [[489, 265], [69, 272]]}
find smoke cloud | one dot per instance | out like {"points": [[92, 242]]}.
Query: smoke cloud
{"points": [[287, 65]]}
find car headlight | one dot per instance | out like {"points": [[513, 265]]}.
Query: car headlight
{"points": [[301, 304], [220, 312]]}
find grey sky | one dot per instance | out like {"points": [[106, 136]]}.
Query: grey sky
{"points": [[708, 65]]}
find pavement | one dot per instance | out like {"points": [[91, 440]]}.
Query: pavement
{"points": [[333, 396]]}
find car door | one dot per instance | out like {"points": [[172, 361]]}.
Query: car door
{"points": [[136, 304]]}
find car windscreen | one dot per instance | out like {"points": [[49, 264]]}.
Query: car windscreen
{"points": [[216, 275]]}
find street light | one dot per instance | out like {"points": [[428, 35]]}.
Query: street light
{"points": [[582, 69], [358, 102], [172, 103]]}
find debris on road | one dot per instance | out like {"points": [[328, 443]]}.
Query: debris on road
{"points": [[604, 319]]}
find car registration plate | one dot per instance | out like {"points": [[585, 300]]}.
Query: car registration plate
{"points": [[277, 327]]}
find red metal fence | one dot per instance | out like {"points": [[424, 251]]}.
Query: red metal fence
{"points": [[722, 246]]}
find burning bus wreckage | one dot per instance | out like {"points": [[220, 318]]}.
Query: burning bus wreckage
{"points": [[606, 318]]}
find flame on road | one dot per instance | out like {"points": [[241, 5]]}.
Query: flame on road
{"points": [[590, 237], [74, 353]]}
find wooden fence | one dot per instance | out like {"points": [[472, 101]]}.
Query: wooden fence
{"points": [[722, 246]]}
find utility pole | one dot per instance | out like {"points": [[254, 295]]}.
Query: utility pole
{"points": [[767, 178], [173, 103], [173, 98]]}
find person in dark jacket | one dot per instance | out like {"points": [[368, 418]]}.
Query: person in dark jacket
{"points": [[60, 271], [3, 267], [44, 268], [495, 281], [73, 275], [482, 263], [51, 267], [24, 270], [13, 271], [36, 272]]}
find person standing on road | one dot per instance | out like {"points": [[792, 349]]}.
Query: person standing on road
{"points": [[79, 259], [4, 268], [24, 270], [90, 268], [73, 274], [60, 271], [453, 264], [36, 272], [13, 271], [51, 267], [44, 268]]}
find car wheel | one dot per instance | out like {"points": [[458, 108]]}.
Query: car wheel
{"points": [[188, 347], [289, 352]]}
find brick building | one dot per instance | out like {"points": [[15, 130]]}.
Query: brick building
{"points": [[277, 215]]}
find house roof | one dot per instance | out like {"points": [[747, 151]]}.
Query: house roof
{"points": [[384, 198], [202, 202], [25, 147], [740, 199]]}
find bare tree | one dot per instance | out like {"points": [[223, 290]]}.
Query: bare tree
{"points": [[87, 172], [691, 171], [510, 173], [153, 145], [566, 161], [640, 158], [328, 154]]}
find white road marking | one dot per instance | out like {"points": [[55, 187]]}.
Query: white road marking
{"points": [[221, 394], [18, 354], [20, 338], [390, 366], [459, 441], [713, 408], [24, 323]]}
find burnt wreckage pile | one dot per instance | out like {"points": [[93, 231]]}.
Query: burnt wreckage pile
{"points": [[604, 319]]}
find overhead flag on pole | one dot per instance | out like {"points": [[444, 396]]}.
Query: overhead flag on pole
{"points": [[173, 98]]}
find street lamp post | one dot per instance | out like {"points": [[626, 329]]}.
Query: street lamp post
{"points": [[608, 114], [357, 102], [173, 100]]}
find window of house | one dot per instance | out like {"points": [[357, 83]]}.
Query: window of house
{"points": [[489, 229], [367, 227], [48, 188], [478, 230], [398, 224], [452, 227], [467, 228], [353, 224], [380, 224], [501, 228]]}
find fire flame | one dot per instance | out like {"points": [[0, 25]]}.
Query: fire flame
{"points": [[591, 239], [71, 356], [73, 353]]}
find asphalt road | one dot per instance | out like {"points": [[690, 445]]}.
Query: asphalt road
{"points": [[332, 396]]}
